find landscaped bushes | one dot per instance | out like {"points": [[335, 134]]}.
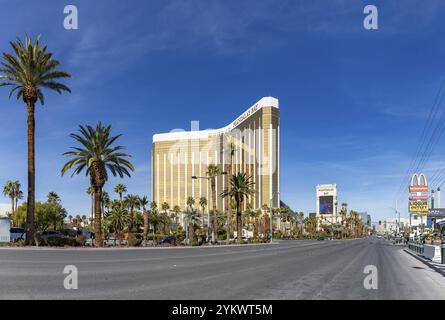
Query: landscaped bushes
{"points": [[135, 239], [61, 242]]}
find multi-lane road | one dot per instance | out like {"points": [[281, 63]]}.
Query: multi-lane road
{"points": [[286, 270]]}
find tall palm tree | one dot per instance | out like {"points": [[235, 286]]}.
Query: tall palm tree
{"points": [[154, 215], [232, 149], [241, 188], [11, 189], [18, 196], [97, 156], [143, 202], [132, 202], [29, 70], [120, 189], [90, 192], [212, 172], [53, 197], [105, 201], [192, 221], [203, 205], [176, 210]]}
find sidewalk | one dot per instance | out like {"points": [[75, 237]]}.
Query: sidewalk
{"points": [[438, 267]]}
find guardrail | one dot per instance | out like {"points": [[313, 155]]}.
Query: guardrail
{"points": [[432, 252], [416, 246]]}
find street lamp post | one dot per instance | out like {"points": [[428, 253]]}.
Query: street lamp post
{"points": [[271, 216]]}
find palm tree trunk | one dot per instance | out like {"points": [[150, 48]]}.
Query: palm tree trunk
{"points": [[191, 234], [31, 176], [92, 206], [212, 183], [97, 217], [12, 208], [229, 207], [239, 227], [145, 226]]}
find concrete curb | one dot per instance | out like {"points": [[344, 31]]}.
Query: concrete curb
{"points": [[426, 262], [135, 248]]}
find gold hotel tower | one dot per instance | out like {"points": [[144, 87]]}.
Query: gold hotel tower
{"points": [[179, 155]]}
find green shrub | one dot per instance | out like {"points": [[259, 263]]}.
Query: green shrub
{"points": [[134, 239]]}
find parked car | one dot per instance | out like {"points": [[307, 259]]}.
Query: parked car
{"points": [[51, 234], [114, 241], [320, 238], [17, 234], [168, 239]]}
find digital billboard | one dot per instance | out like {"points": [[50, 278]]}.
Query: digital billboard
{"points": [[326, 204]]}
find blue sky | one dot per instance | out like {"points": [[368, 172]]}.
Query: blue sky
{"points": [[353, 102]]}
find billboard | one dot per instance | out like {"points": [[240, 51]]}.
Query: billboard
{"points": [[418, 206], [418, 188], [326, 204]]}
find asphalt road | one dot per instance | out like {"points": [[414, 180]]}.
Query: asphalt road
{"points": [[286, 270]]}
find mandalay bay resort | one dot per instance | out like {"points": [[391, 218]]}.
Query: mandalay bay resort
{"points": [[249, 145]]}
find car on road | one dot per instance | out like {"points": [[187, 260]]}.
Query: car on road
{"points": [[320, 239], [168, 240], [17, 234]]}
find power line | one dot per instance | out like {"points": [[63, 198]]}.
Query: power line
{"points": [[438, 130]]}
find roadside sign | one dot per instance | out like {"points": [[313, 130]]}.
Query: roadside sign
{"points": [[436, 213], [418, 206], [415, 189], [416, 198]]}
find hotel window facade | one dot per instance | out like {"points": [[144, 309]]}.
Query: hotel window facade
{"points": [[177, 156]]}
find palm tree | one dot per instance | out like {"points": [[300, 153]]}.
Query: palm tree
{"points": [[120, 189], [30, 70], [203, 205], [190, 203], [132, 202], [176, 210], [143, 202], [90, 192], [53, 197], [165, 207], [232, 150], [97, 156], [18, 196], [119, 220], [192, 221], [212, 172], [105, 200], [154, 215], [241, 187], [9, 190]]}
